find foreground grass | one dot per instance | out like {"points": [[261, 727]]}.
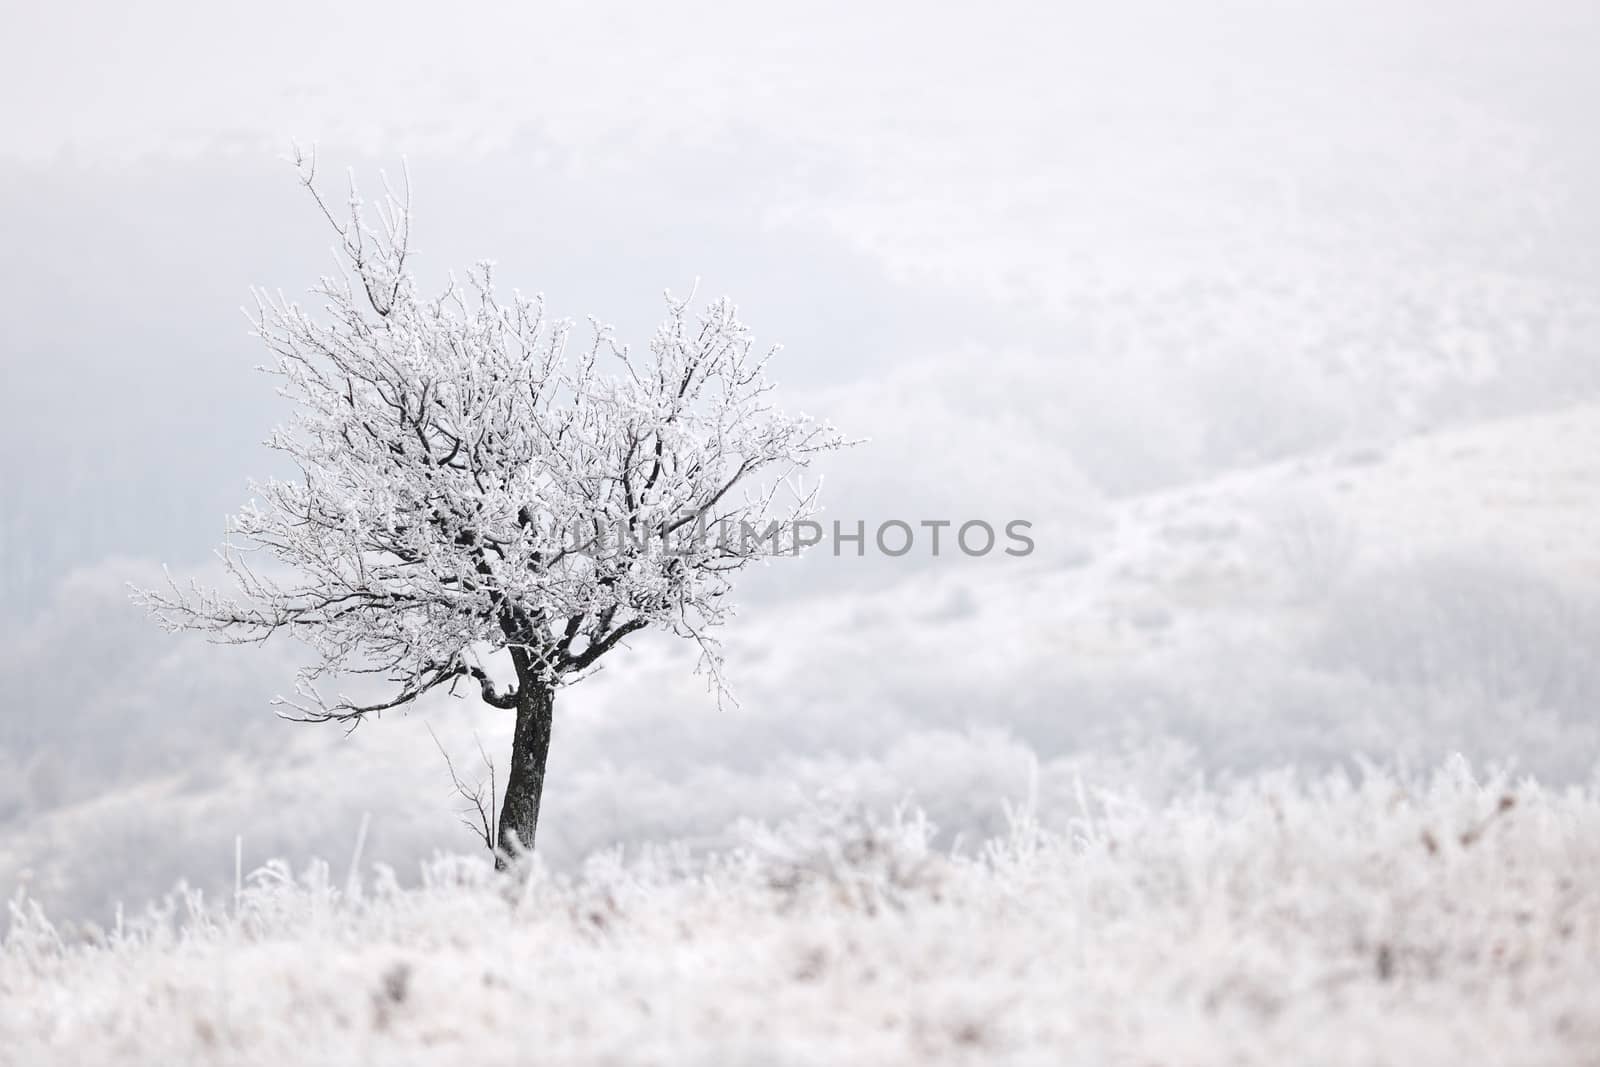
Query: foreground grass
{"points": [[1447, 921]]}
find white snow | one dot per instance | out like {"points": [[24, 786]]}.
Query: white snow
{"points": [[1439, 921]]}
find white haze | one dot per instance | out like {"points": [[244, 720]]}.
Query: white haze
{"points": [[1280, 321]]}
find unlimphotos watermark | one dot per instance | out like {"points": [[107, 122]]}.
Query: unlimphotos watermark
{"points": [[691, 535]]}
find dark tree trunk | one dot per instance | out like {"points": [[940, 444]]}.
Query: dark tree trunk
{"points": [[519, 814]]}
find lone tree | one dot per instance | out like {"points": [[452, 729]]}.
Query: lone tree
{"points": [[469, 491]]}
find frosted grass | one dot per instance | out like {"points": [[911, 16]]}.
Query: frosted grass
{"points": [[1448, 919]]}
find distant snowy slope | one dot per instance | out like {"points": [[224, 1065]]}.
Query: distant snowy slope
{"points": [[1394, 603]]}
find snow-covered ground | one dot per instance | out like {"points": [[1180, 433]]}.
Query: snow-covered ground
{"points": [[1443, 920], [1281, 321]]}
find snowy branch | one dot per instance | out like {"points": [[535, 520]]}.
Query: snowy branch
{"points": [[467, 485]]}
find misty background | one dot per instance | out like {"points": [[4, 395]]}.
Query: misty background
{"points": [[1280, 321]]}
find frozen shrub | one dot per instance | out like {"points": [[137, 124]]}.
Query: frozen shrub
{"points": [[845, 856]]}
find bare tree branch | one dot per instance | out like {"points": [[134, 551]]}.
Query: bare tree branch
{"points": [[482, 820]]}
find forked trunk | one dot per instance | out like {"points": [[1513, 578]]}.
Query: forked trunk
{"points": [[519, 813]]}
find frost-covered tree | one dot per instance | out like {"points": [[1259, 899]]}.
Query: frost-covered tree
{"points": [[477, 502]]}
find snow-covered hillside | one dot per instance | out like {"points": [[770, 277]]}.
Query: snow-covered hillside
{"points": [[1438, 921], [1396, 602]]}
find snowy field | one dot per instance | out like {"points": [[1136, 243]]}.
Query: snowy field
{"points": [[1279, 321], [1444, 920]]}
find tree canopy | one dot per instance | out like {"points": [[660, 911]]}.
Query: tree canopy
{"points": [[473, 483]]}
